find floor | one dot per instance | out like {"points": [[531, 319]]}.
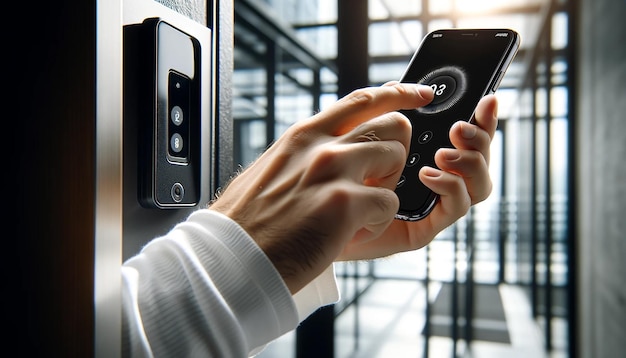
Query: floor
{"points": [[389, 318]]}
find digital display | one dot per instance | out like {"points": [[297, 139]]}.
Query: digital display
{"points": [[461, 66]]}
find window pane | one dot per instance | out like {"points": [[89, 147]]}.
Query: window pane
{"points": [[382, 9], [440, 24], [249, 141], [305, 12], [559, 31], [393, 38], [384, 72], [322, 40], [440, 6], [482, 6], [526, 25]]}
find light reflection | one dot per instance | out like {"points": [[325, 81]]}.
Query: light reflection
{"points": [[479, 6], [486, 6], [381, 9]]}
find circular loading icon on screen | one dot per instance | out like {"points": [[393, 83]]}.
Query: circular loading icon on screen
{"points": [[449, 84]]}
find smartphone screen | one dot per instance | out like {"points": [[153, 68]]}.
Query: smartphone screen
{"points": [[461, 66]]}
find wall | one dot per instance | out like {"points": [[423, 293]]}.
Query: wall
{"points": [[601, 136]]}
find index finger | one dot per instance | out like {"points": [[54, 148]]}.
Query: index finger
{"points": [[366, 103]]}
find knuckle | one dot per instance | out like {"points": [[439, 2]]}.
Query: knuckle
{"points": [[404, 126], [326, 156], [324, 163], [301, 134], [484, 194], [361, 97], [398, 153], [400, 119], [387, 201], [339, 199], [397, 121], [401, 89], [475, 159]]}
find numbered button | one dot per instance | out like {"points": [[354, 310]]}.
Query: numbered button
{"points": [[443, 88], [176, 143], [177, 115], [425, 137], [449, 84]]}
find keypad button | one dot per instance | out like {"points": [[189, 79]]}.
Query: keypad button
{"points": [[177, 115], [176, 143], [401, 181], [425, 137], [413, 159], [443, 88]]}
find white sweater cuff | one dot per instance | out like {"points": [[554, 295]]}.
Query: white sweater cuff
{"points": [[318, 293]]}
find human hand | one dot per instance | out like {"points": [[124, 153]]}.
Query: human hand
{"points": [[329, 180], [462, 180]]}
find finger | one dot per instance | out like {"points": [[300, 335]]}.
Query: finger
{"points": [[454, 200], [378, 207], [385, 169], [400, 236], [486, 114], [471, 166], [367, 103], [478, 134], [376, 160], [360, 212], [389, 126], [469, 136], [372, 163], [391, 83]]}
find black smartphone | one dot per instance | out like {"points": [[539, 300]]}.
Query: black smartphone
{"points": [[461, 66]]}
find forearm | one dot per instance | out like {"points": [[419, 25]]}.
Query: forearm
{"points": [[207, 287]]}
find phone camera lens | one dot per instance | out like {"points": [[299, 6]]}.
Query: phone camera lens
{"points": [[178, 192]]}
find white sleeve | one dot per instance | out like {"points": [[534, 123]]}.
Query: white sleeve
{"points": [[206, 289], [320, 292]]}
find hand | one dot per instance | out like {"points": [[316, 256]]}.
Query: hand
{"points": [[462, 181], [329, 180]]}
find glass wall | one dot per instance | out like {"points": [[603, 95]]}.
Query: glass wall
{"points": [[278, 78]]}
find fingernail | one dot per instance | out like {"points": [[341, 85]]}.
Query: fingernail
{"points": [[425, 91], [431, 172], [451, 155], [468, 131]]}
